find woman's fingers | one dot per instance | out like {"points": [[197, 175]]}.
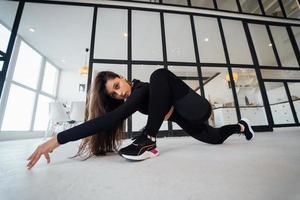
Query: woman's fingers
{"points": [[30, 157], [47, 157], [34, 160]]}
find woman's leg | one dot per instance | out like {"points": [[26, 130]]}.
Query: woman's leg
{"points": [[165, 89], [213, 135], [202, 131]]}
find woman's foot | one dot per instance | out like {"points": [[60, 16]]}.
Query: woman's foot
{"points": [[247, 130], [143, 147]]}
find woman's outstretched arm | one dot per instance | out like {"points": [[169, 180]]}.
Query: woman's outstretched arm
{"points": [[90, 127], [107, 121]]}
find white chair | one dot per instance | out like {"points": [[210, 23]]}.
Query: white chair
{"points": [[57, 116], [77, 112]]}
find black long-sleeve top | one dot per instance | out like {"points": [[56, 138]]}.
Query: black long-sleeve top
{"points": [[137, 101]]}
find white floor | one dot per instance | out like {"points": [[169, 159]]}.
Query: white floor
{"points": [[266, 168]]}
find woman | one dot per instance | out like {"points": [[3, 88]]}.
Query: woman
{"points": [[166, 97]]}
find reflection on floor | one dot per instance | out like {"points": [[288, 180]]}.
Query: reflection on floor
{"points": [[266, 168]]}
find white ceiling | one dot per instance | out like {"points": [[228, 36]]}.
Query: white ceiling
{"points": [[61, 32]]}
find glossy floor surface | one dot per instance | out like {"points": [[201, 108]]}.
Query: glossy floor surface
{"points": [[266, 168]]}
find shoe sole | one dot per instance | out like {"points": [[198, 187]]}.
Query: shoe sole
{"points": [[147, 154], [249, 127]]}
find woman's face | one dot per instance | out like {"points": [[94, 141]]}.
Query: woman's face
{"points": [[118, 88]]}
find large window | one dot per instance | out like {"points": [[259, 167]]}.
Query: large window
{"points": [[42, 113], [295, 95], [1, 65], [272, 8], [296, 31], [250, 6], [19, 109], [111, 34], [284, 46], [280, 107], [4, 37], [24, 96], [221, 99], [237, 44], [50, 79], [146, 43], [209, 40], [203, 4], [179, 38], [249, 96], [227, 5], [28, 66], [291, 8], [177, 2], [262, 45]]}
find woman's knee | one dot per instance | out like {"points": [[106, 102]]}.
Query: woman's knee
{"points": [[159, 74], [216, 142]]}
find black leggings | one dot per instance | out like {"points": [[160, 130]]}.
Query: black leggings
{"points": [[191, 111]]}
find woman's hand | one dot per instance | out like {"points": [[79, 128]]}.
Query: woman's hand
{"points": [[45, 149]]}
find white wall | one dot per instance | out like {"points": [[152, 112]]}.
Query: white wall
{"points": [[68, 88]]}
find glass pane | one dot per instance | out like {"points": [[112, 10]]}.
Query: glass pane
{"points": [[295, 94], [280, 74], [8, 10], [50, 79], [280, 107], [19, 108], [272, 8], [296, 31], [1, 65], [28, 66], [262, 45], [249, 96], [146, 43], [209, 41], [176, 2], [152, 1], [111, 34], [218, 91], [179, 39], [291, 8], [143, 73], [116, 68], [42, 113], [227, 5], [237, 44], [284, 46], [189, 75], [250, 6], [203, 4], [4, 38]]}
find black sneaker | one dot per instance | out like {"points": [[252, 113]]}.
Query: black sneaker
{"points": [[142, 148], [248, 132]]}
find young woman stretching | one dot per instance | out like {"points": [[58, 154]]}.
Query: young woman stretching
{"points": [[166, 97]]}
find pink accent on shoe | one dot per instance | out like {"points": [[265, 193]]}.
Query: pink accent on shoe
{"points": [[154, 151]]}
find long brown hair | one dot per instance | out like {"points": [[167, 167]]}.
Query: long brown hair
{"points": [[99, 103]]}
